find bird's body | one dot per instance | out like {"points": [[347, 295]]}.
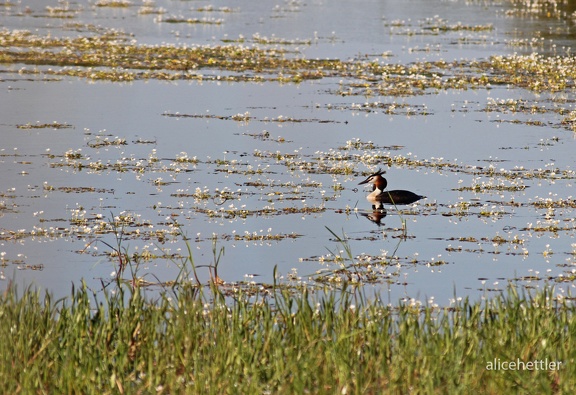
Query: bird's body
{"points": [[378, 194], [394, 197]]}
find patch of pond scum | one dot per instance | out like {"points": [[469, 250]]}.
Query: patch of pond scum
{"points": [[294, 184]]}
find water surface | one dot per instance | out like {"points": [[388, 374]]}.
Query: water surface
{"points": [[269, 168]]}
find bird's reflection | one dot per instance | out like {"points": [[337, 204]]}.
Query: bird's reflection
{"points": [[378, 212]]}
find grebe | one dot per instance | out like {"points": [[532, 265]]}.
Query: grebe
{"points": [[388, 197]]}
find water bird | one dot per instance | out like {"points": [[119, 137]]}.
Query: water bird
{"points": [[378, 194]]}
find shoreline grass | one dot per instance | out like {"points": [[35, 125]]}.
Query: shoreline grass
{"points": [[196, 341]]}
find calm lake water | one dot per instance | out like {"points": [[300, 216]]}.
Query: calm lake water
{"points": [[270, 169]]}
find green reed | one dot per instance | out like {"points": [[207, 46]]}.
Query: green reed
{"points": [[123, 342]]}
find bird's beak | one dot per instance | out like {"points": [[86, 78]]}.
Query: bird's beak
{"points": [[366, 181]]}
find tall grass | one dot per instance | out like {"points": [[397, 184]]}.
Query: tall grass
{"points": [[197, 338], [122, 342]]}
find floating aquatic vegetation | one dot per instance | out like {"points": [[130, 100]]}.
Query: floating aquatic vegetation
{"points": [[211, 8], [191, 21], [515, 244], [437, 25], [38, 125], [489, 188], [265, 136], [255, 236], [60, 12], [536, 72], [150, 9], [554, 203], [105, 141], [396, 80], [113, 3], [263, 40], [110, 55], [542, 8], [570, 121], [246, 118], [7, 207], [78, 189]]}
